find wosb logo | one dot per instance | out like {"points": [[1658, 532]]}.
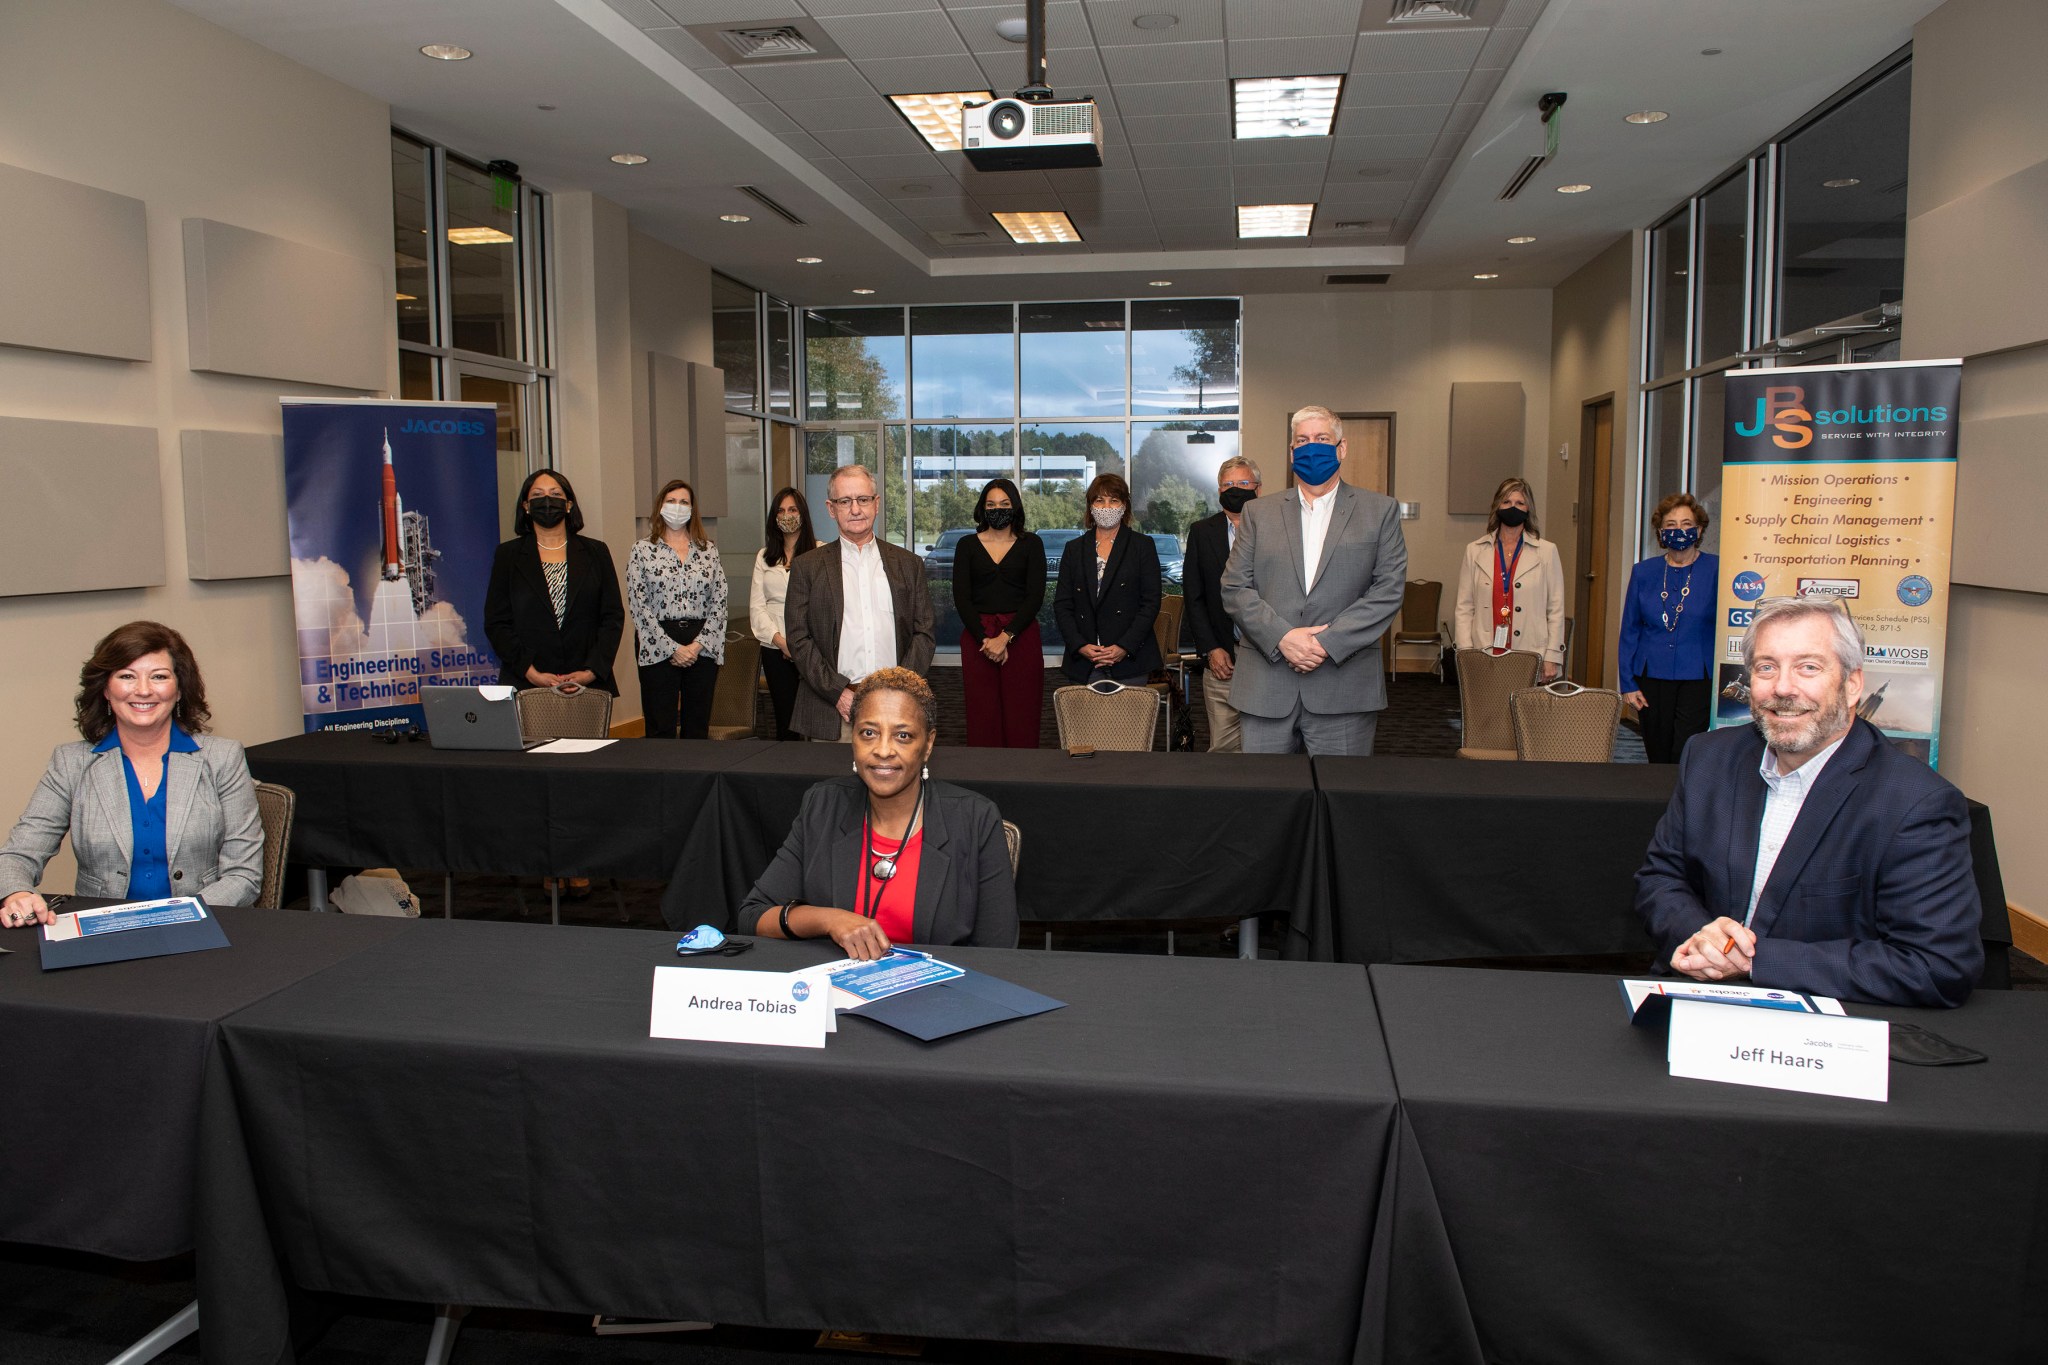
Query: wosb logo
{"points": [[415, 426], [1783, 410]]}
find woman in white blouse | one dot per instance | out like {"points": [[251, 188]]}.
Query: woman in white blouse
{"points": [[1511, 585], [788, 535], [675, 591]]}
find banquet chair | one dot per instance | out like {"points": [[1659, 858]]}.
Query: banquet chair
{"points": [[1485, 682], [732, 703], [1565, 723], [1013, 839], [1166, 628], [1419, 626], [547, 713], [1122, 719], [275, 806]]}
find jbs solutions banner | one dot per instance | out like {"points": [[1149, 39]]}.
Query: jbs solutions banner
{"points": [[394, 520], [1840, 481]]}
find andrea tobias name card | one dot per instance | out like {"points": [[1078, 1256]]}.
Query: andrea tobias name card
{"points": [[710, 1005], [1819, 1054]]}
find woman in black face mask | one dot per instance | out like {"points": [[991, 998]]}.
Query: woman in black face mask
{"points": [[1511, 586], [553, 611], [998, 587]]}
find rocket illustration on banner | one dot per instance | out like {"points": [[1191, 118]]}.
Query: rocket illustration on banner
{"points": [[408, 553], [393, 565]]}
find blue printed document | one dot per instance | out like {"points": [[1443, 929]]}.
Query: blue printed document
{"points": [[905, 969], [123, 931], [1649, 1002], [117, 919]]}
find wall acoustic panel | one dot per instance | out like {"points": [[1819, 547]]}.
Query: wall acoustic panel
{"points": [[686, 430], [74, 267], [707, 445], [93, 507], [1486, 444], [234, 505], [1977, 272], [1995, 458], [260, 305]]}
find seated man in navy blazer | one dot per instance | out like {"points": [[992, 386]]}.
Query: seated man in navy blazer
{"points": [[1808, 853]]}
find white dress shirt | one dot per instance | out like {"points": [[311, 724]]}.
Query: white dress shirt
{"points": [[867, 632], [1315, 526], [1781, 808]]}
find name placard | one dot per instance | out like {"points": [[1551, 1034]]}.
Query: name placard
{"points": [[1819, 1054], [713, 1006]]}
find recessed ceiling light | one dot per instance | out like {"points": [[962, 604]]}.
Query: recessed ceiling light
{"points": [[1646, 116], [1013, 30], [1486, 276], [545, 108], [734, 218], [1161, 284], [1841, 182], [1286, 106], [629, 158], [1573, 189], [477, 236], [1710, 52], [1153, 23], [937, 116], [1274, 220], [1520, 241], [810, 260], [863, 291], [446, 52], [1031, 229]]}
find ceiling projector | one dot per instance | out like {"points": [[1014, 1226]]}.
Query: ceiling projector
{"points": [[1031, 134]]}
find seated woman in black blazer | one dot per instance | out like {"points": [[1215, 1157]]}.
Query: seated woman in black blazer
{"points": [[1108, 594], [553, 611], [889, 856]]}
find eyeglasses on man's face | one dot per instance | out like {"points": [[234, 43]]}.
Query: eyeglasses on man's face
{"points": [[860, 500]]}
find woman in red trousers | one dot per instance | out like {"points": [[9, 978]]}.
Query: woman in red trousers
{"points": [[998, 587]]}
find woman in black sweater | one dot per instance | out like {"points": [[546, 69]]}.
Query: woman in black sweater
{"points": [[998, 587]]}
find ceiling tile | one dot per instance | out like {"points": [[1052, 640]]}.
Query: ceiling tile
{"points": [[1286, 57], [1215, 154], [845, 142], [1209, 180], [771, 117], [1165, 62], [729, 84], [917, 168], [1522, 13], [1200, 21], [1410, 87], [1108, 181], [725, 11], [1323, 19], [1167, 202], [978, 183], [1464, 118], [1384, 53], [685, 49], [1173, 97], [1501, 46], [923, 75], [827, 9], [1276, 151], [1072, 71], [1380, 151], [1065, 26], [1405, 120], [805, 145], [1388, 169], [642, 13], [1242, 176], [922, 34], [1365, 201], [832, 80], [872, 112], [1156, 128]]}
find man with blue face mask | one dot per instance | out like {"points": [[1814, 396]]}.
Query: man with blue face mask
{"points": [[1314, 578]]}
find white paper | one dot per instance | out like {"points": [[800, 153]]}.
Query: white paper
{"points": [[711, 1005], [1639, 990], [571, 746], [1817, 1054], [496, 691]]}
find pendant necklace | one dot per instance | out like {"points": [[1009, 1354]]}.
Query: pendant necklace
{"points": [[1671, 613]]}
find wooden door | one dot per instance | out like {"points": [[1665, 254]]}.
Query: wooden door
{"points": [[1368, 451], [1590, 644]]}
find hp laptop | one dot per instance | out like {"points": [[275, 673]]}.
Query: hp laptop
{"points": [[473, 718]]}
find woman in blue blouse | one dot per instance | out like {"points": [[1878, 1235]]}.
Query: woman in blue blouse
{"points": [[675, 591], [155, 807], [1667, 631]]}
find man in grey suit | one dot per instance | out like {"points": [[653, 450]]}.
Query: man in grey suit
{"points": [[1314, 578], [854, 606]]}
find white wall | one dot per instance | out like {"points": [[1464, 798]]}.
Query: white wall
{"points": [[1400, 353], [140, 98]]}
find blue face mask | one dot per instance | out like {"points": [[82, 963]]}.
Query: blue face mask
{"points": [[1679, 539], [1315, 463]]}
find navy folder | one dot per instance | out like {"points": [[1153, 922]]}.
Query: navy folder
{"points": [[161, 940], [967, 1002]]}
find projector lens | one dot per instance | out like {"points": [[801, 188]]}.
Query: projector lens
{"points": [[1006, 120]]}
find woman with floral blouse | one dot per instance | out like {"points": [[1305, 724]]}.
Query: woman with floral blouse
{"points": [[675, 591]]}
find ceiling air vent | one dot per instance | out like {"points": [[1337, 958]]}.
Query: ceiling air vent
{"points": [[1356, 279], [767, 44], [1430, 11], [1519, 181], [795, 39], [960, 238], [1362, 225], [754, 193]]}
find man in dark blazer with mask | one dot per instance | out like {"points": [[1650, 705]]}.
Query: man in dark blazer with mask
{"points": [[1215, 634], [1315, 576], [854, 605]]}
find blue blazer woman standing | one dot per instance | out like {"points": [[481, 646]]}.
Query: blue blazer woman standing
{"points": [[1666, 661]]}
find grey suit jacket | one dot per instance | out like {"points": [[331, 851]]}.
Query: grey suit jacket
{"points": [[215, 834], [813, 613], [1358, 590], [964, 889]]}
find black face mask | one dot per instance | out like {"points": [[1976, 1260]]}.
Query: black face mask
{"points": [[548, 512], [999, 518], [1512, 516], [1234, 499]]}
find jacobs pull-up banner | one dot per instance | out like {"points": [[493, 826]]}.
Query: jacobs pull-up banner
{"points": [[1840, 481]]}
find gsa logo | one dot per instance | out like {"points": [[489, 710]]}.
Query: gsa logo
{"points": [[1914, 590], [1749, 585], [801, 991], [1741, 616]]}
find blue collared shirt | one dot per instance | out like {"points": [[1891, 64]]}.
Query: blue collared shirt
{"points": [[149, 862], [1785, 794]]}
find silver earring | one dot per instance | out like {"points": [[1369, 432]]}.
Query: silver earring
{"points": [[927, 772], [856, 765]]}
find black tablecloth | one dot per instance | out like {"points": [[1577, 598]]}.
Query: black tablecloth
{"points": [[100, 1071], [1185, 1158], [1437, 859], [1117, 836], [621, 811], [1557, 1196]]}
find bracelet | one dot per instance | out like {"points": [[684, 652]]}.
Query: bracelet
{"points": [[783, 918]]}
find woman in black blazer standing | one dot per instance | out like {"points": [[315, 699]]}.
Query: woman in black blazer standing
{"points": [[553, 611], [1108, 594]]}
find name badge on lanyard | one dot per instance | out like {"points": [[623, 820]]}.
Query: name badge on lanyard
{"points": [[1507, 567]]}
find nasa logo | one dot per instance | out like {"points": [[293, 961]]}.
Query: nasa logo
{"points": [[801, 991], [1915, 591], [1749, 585]]}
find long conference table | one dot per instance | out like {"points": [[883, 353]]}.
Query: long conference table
{"points": [[1275, 1161], [1366, 860]]}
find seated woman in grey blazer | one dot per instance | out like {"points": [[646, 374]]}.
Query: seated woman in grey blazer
{"points": [[888, 855], [154, 806]]}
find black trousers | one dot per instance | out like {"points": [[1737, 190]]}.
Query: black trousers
{"points": [[782, 685], [669, 694], [1677, 711]]}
